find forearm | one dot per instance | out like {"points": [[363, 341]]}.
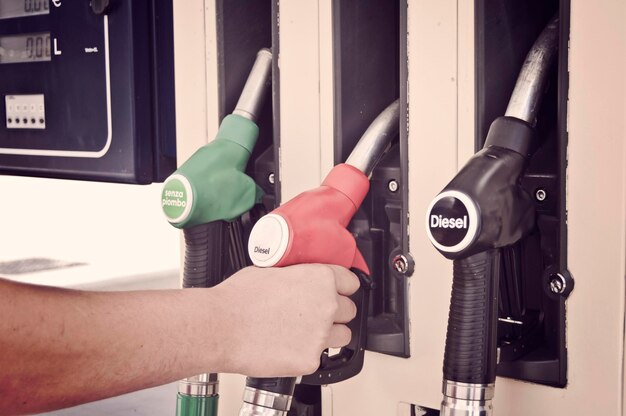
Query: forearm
{"points": [[61, 347]]}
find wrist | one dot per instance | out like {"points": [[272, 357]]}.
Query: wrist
{"points": [[208, 327]]}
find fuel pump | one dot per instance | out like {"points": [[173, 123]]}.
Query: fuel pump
{"points": [[311, 228], [206, 197], [481, 211]]}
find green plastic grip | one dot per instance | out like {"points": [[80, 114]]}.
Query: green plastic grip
{"points": [[211, 185], [196, 405]]}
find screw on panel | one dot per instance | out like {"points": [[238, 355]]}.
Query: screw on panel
{"points": [[401, 264], [393, 185], [271, 178], [558, 284], [541, 195]]}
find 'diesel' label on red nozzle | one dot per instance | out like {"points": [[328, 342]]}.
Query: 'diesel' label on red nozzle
{"points": [[268, 240]]}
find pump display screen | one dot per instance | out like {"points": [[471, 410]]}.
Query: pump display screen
{"points": [[33, 47], [75, 100], [21, 8]]}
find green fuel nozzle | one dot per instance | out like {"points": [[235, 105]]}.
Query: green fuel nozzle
{"points": [[211, 185], [205, 197]]}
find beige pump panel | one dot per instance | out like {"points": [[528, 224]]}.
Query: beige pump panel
{"points": [[441, 139]]}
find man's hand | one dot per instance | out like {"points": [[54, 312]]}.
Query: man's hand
{"points": [[62, 347], [282, 319]]}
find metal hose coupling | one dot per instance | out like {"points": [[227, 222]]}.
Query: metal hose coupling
{"points": [[257, 402], [202, 385], [198, 396], [465, 399]]}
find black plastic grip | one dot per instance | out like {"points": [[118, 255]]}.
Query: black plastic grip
{"points": [[280, 385], [348, 362], [206, 251], [470, 354]]}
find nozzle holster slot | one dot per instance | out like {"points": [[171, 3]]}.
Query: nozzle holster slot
{"points": [[531, 326], [370, 73]]}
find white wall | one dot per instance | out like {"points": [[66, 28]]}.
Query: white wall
{"points": [[118, 230]]}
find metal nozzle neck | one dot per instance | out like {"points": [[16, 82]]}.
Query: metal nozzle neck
{"points": [[251, 98], [376, 139], [531, 82]]}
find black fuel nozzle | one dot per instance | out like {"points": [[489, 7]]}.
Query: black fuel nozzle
{"points": [[483, 209]]}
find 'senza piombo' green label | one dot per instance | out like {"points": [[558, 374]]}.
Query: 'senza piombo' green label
{"points": [[176, 198]]}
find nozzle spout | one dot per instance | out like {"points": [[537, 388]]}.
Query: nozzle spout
{"points": [[251, 98], [531, 82], [376, 139]]}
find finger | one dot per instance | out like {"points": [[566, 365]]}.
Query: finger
{"points": [[340, 336], [346, 310], [346, 281]]}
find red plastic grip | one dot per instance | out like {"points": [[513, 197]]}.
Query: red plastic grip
{"points": [[318, 218]]}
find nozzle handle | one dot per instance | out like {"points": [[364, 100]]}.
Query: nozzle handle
{"points": [[348, 362], [206, 250], [470, 352]]}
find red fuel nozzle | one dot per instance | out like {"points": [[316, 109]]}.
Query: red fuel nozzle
{"points": [[311, 228]]}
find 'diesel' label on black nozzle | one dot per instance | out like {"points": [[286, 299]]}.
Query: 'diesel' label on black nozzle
{"points": [[452, 221]]}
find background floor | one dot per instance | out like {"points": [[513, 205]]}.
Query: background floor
{"points": [[115, 230], [158, 401]]}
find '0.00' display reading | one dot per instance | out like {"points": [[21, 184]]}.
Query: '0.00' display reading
{"points": [[33, 47], [21, 8]]}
